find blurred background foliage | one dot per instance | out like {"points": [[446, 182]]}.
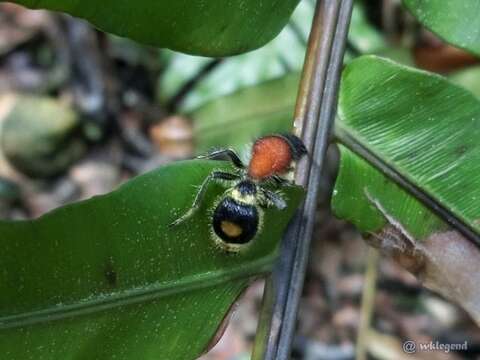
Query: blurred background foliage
{"points": [[81, 111]]}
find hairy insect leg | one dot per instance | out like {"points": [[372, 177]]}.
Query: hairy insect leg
{"points": [[273, 199], [279, 181], [216, 175], [223, 154]]}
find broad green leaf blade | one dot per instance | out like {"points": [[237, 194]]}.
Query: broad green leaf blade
{"points": [[283, 55], [208, 28], [239, 118], [106, 278], [419, 124], [457, 22], [424, 129], [357, 187], [402, 227]]}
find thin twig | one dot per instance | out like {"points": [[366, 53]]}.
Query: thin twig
{"points": [[314, 115], [368, 302]]}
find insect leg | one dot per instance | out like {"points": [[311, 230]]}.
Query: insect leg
{"points": [[216, 175], [273, 199], [222, 155], [279, 181]]}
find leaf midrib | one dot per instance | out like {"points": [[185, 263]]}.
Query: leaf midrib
{"points": [[350, 138], [138, 295]]}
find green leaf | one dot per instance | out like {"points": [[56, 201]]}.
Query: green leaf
{"points": [[107, 279], [402, 227], [457, 22], [395, 119], [208, 28], [239, 118], [419, 123], [359, 184], [283, 55]]}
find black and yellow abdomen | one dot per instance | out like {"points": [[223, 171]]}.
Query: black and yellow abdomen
{"points": [[235, 222]]}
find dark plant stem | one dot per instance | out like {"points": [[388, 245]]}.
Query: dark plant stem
{"points": [[314, 116]]}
